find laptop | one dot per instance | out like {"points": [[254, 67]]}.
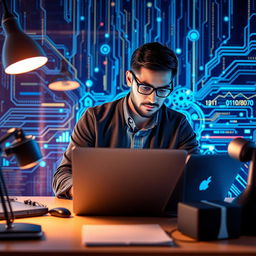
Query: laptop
{"points": [[22, 210], [209, 177], [119, 181]]}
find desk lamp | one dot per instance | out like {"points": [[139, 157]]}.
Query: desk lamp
{"points": [[27, 154], [244, 151], [63, 81], [20, 54]]}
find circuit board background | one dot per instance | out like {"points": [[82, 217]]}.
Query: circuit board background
{"points": [[215, 42]]}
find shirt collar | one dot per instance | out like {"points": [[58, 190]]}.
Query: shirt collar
{"points": [[129, 120]]}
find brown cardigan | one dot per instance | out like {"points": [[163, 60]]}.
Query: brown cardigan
{"points": [[105, 126]]}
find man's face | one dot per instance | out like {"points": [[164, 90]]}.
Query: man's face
{"points": [[147, 105]]}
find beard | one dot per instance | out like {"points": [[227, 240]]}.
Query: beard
{"points": [[140, 112]]}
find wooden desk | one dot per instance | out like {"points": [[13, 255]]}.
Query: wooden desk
{"points": [[63, 237]]}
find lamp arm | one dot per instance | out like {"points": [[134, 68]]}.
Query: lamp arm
{"points": [[24, 146], [9, 216], [5, 6], [252, 170], [6, 13]]}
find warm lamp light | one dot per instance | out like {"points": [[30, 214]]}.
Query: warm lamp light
{"points": [[63, 81], [26, 65], [64, 85], [20, 53]]}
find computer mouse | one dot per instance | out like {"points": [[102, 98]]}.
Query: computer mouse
{"points": [[60, 212]]}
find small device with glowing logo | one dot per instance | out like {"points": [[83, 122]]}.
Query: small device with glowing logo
{"points": [[209, 177]]}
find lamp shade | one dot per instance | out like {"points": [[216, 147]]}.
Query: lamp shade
{"points": [[20, 54], [26, 151], [241, 149]]}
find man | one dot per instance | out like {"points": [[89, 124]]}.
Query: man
{"points": [[139, 120]]}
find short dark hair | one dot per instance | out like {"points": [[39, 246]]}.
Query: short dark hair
{"points": [[154, 56]]}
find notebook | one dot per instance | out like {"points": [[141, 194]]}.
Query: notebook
{"points": [[118, 181], [125, 235], [22, 210], [209, 177]]}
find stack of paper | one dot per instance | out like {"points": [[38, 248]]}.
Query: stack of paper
{"points": [[119, 235]]}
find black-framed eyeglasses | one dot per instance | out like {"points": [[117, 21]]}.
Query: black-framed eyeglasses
{"points": [[147, 89]]}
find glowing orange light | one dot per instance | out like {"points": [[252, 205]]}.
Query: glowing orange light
{"points": [[28, 165], [64, 85], [26, 65]]}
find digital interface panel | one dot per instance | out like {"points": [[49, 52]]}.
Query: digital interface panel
{"points": [[215, 42]]}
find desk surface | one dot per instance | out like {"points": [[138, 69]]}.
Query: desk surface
{"points": [[63, 237]]}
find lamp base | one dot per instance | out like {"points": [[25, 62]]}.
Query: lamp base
{"points": [[20, 231]]}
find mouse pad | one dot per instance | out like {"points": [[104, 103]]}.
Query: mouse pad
{"points": [[22, 210]]}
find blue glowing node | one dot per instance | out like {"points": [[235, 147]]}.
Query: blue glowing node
{"points": [[247, 131], [241, 114], [158, 19], [96, 69], [88, 102], [178, 51], [61, 110], [193, 35], [211, 148], [82, 18], [42, 164], [45, 145], [194, 116], [226, 18], [7, 144], [182, 98], [105, 49], [89, 83], [149, 4], [107, 35], [201, 68]]}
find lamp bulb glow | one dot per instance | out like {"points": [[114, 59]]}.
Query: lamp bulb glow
{"points": [[26, 65]]}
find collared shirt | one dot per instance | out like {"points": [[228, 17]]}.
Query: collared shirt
{"points": [[138, 137]]}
